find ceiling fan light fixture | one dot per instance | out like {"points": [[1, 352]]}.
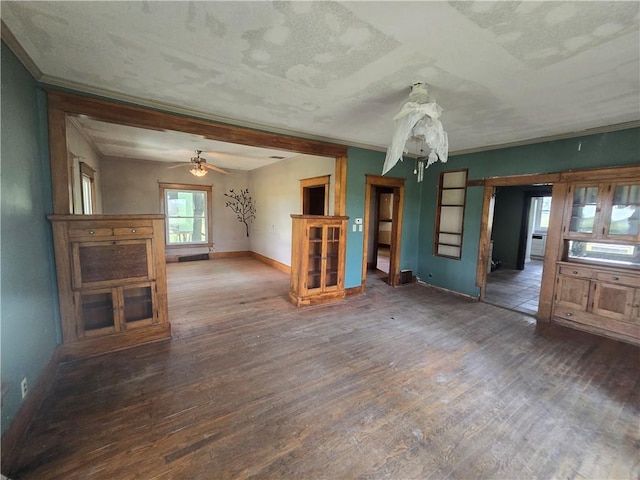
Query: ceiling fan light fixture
{"points": [[418, 121], [198, 171]]}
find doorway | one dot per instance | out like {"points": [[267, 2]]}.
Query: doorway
{"points": [[314, 193], [384, 199], [507, 270], [520, 222]]}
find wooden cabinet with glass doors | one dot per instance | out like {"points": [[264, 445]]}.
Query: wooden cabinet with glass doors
{"points": [[598, 277], [111, 281], [317, 259]]}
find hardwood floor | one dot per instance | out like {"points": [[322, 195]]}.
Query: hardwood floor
{"points": [[399, 383]]}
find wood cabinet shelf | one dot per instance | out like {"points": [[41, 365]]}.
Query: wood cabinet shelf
{"points": [[111, 281], [317, 259]]}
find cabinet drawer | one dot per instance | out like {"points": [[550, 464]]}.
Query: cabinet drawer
{"points": [[576, 271], [568, 313], [90, 232], [142, 231], [630, 280]]}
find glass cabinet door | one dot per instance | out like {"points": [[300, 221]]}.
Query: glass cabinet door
{"points": [[583, 211], [97, 312], [333, 248], [314, 260], [625, 210], [138, 304]]}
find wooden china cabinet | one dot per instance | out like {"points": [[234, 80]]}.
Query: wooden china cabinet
{"points": [[111, 281], [598, 276], [317, 259]]}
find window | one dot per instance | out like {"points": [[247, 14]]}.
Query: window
{"points": [[88, 189], [188, 214], [450, 213], [542, 212]]}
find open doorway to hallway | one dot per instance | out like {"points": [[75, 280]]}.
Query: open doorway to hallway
{"points": [[518, 240], [384, 200]]}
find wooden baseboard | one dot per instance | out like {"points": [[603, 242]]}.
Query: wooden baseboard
{"points": [[453, 292], [242, 253], [27, 412], [272, 263]]}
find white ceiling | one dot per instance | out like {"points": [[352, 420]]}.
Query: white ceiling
{"points": [[120, 141], [502, 71]]}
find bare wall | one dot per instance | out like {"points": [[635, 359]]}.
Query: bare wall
{"points": [[131, 186], [276, 190]]}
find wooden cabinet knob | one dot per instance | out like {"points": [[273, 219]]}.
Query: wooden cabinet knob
{"points": [[133, 230]]}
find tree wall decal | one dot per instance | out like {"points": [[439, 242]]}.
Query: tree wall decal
{"points": [[242, 205]]}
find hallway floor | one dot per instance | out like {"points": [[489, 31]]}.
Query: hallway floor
{"points": [[517, 290]]}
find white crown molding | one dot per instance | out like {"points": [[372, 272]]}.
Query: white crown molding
{"points": [[76, 124], [9, 38]]}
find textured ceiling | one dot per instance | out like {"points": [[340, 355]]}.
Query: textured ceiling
{"points": [[502, 71]]}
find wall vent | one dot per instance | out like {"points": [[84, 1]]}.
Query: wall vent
{"points": [[191, 258]]}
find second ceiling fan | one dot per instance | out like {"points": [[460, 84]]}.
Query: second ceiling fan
{"points": [[199, 166]]}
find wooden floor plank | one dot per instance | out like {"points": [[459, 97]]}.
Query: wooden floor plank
{"points": [[405, 382]]}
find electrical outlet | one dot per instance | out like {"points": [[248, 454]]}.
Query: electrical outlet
{"points": [[23, 387]]}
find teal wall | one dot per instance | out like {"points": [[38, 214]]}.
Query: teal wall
{"points": [[507, 222], [607, 149], [29, 319], [363, 162]]}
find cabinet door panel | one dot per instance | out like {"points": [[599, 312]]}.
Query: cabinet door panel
{"points": [[625, 212], [138, 305], [572, 292], [583, 209], [612, 301], [97, 263], [97, 312]]}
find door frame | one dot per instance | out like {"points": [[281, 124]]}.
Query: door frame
{"points": [[552, 248], [397, 184]]}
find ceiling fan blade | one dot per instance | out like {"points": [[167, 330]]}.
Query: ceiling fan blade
{"points": [[217, 169], [183, 164]]}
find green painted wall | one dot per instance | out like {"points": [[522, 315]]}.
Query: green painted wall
{"points": [[29, 320], [363, 162], [601, 150], [507, 222]]}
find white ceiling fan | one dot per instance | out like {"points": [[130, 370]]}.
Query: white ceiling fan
{"points": [[199, 166]]}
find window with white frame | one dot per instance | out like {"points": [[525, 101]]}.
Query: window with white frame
{"points": [[542, 211], [187, 210], [87, 188]]}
